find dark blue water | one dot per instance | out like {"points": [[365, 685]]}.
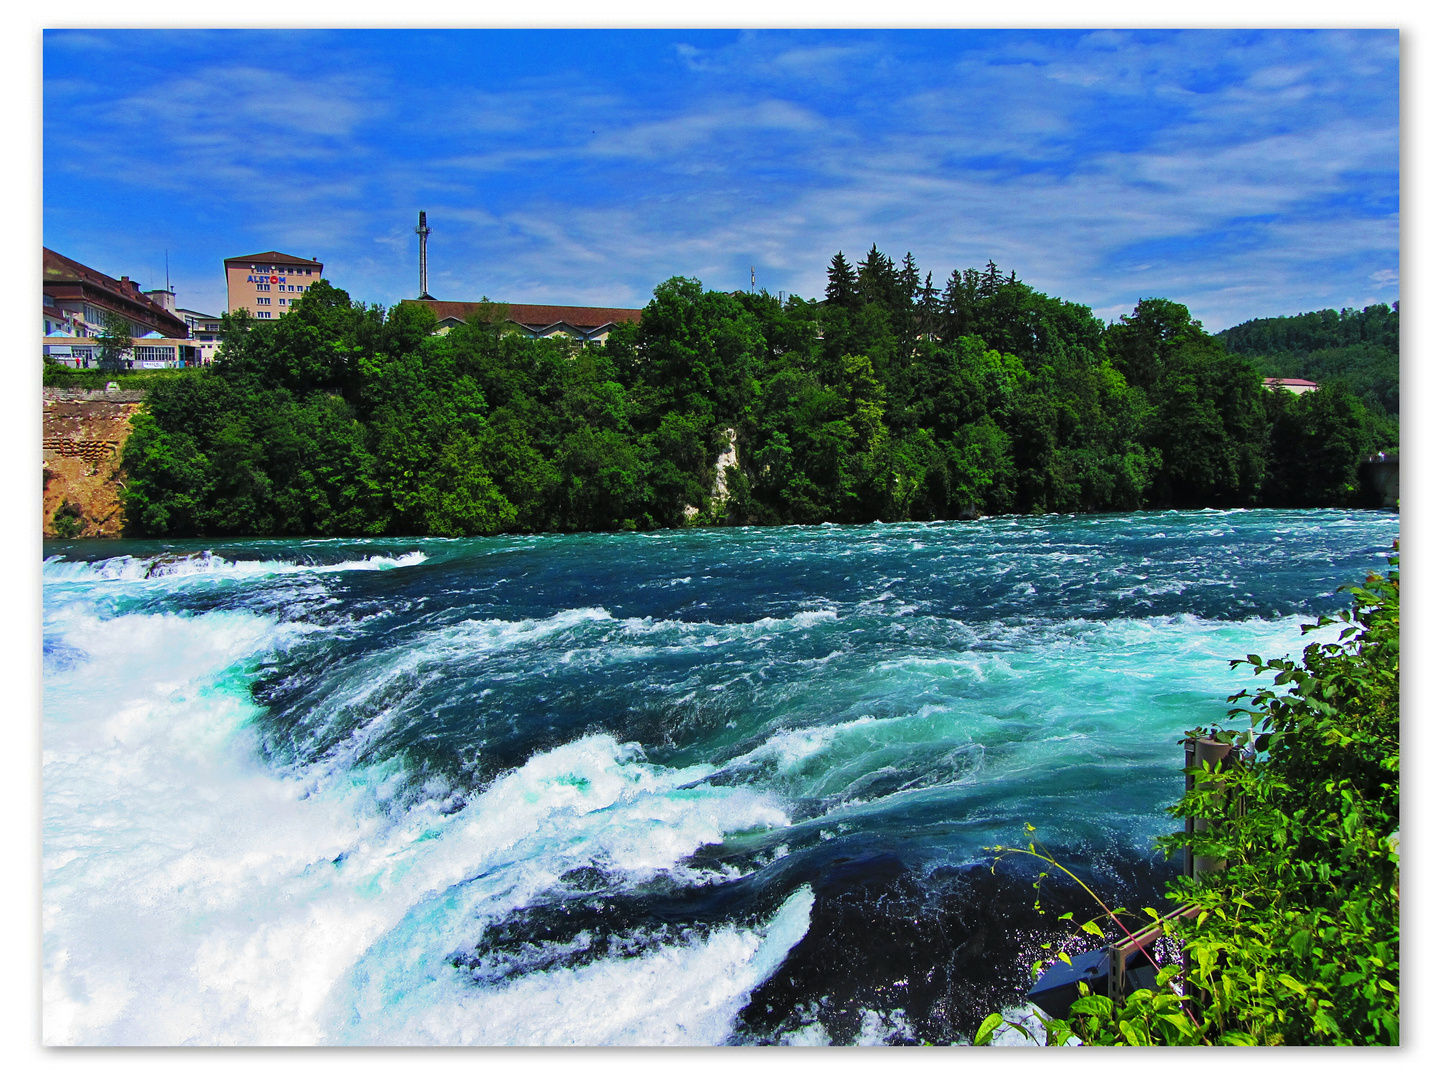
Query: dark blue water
{"points": [[728, 785]]}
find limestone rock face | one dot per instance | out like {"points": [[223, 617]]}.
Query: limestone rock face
{"points": [[727, 457], [84, 434]]}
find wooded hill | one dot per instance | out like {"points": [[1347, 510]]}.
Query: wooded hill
{"points": [[1359, 350], [891, 399]]}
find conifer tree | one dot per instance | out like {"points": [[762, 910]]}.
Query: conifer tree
{"points": [[929, 308], [957, 304], [909, 279], [990, 283], [877, 280], [840, 285]]}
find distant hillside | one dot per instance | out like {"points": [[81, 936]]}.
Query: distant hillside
{"points": [[1357, 349]]}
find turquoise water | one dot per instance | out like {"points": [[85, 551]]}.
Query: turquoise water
{"points": [[727, 785]]}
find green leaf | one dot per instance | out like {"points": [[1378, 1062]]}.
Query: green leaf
{"points": [[1091, 928], [987, 1029], [1292, 983], [1133, 1035], [1094, 1005]]}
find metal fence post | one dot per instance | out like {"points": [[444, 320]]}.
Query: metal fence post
{"points": [[1200, 751]]}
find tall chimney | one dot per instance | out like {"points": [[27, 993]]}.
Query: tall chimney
{"points": [[423, 231]]}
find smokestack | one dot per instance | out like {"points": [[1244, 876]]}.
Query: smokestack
{"points": [[423, 231]]}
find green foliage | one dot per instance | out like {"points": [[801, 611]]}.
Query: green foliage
{"points": [[1209, 425], [114, 341], [888, 401], [1316, 441], [1378, 324], [68, 378], [1295, 940], [1358, 351], [68, 520]]}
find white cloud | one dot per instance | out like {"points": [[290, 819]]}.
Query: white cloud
{"points": [[1233, 173]]}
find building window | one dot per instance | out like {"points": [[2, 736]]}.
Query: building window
{"points": [[282, 299], [262, 314], [262, 299]]}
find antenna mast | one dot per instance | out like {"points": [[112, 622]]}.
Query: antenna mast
{"points": [[423, 231]]}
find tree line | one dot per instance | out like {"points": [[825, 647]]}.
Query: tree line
{"points": [[892, 398], [1357, 349]]}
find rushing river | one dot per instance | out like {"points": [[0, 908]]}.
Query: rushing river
{"points": [[707, 786]]}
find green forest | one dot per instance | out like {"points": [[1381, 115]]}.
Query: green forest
{"points": [[889, 399], [1359, 350]]}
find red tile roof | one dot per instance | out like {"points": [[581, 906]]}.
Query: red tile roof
{"points": [[548, 314], [268, 257], [59, 270], [536, 315]]}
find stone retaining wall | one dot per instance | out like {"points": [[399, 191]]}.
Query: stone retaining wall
{"points": [[65, 393]]}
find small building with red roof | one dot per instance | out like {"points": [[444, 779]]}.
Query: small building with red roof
{"points": [[1295, 386]]}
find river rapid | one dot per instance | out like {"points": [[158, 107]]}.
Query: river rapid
{"points": [[692, 787]]}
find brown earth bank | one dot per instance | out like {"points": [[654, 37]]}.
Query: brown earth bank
{"points": [[84, 432]]}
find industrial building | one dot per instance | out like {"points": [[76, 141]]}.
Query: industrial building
{"points": [[80, 296], [204, 332], [267, 284], [76, 299]]}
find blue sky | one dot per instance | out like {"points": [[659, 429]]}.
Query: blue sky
{"points": [[1243, 173]]}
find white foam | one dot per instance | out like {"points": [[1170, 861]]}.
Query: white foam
{"points": [[127, 568], [193, 895], [876, 1028], [812, 1034], [673, 995]]}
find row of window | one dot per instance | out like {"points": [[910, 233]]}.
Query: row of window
{"points": [[296, 270], [282, 288]]}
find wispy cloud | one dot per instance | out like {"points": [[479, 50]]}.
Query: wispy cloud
{"points": [[1242, 173]]}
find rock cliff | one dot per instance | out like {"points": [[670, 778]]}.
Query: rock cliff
{"points": [[84, 433]]}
